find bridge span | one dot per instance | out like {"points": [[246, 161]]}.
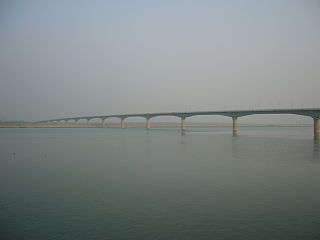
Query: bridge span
{"points": [[309, 112]]}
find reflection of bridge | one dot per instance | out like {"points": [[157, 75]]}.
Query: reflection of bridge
{"points": [[310, 112]]}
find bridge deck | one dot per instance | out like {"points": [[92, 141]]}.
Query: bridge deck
{"points": [[310, 112]]}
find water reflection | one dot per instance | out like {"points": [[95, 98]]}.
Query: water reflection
{"points": [[316, 149], [234, 147], [316, 145]]}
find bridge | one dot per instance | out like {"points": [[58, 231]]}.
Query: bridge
{"points": [[309, 112]]}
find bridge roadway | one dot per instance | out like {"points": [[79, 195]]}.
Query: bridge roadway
{"points": [[310, 112]]}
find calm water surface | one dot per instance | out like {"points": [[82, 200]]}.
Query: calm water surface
{"points": [[159, 184]]}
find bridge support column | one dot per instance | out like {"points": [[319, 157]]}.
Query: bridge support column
{"points": [[234, 126], [88, 121], [148, 125], [316, 128], [75, 121], [183, 124], [122, 123], [102, 122]]}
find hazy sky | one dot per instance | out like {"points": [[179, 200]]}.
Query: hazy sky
{"points": [[72, 58]]}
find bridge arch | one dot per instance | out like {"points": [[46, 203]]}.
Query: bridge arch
{"points": [[95, 119], [75, 120], [215, 120], [209, 118], [281, 119], [66, 120], [111, 121], [169, 120], [135, 120], [134, 117], [286, 118], [81, 120]]}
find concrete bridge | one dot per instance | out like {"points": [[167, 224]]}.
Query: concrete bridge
{"points": [[310, 112]]}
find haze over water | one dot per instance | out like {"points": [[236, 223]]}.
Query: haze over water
{"points": [[159, 184]]}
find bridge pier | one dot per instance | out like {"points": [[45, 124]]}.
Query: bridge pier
{"points": [[122, 122], [316, 128], [234, 126], [183, 124], [88, 120], [148, 125], [102, 122], [75, 121]]}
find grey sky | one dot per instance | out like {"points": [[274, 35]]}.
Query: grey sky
{"points": [[72, 58]]}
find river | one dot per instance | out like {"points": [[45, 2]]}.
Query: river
{"points": [[158, 184]]}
